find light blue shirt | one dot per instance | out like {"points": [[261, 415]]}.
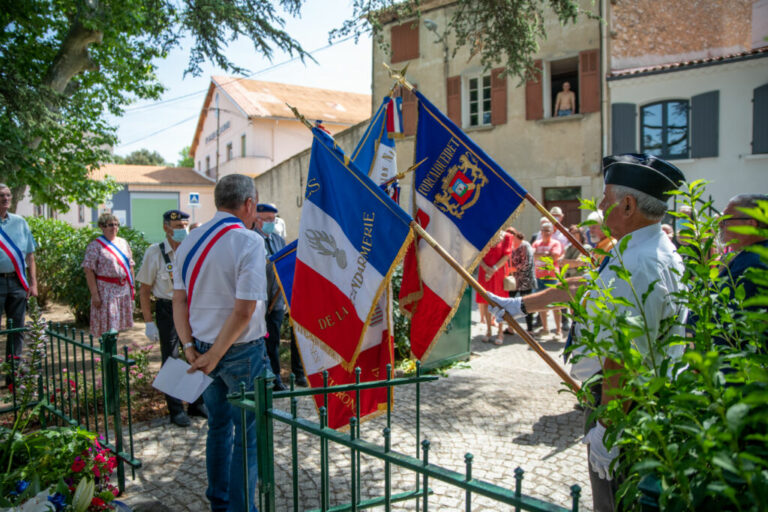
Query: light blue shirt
{"points": [[17, 230]]}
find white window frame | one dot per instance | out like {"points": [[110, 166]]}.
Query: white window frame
{"points": [[466, 78]]}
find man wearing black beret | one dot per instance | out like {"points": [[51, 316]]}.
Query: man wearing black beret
{"points": [[635, 200], [156, 278]]}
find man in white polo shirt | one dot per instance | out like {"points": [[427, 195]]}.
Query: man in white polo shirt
{"points": [[220, 292]]}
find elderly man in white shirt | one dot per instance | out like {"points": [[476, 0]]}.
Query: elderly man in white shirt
{"points": [[219, 298], [635, 194]]}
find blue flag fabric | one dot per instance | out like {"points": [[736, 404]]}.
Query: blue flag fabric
{"points": [[285, 264]]}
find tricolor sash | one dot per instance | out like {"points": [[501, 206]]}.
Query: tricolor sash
{"points": [[16, 256], [201, 249], [121, 258]]}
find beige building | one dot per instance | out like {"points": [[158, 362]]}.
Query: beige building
{"points": [[246, 127], [556, 159]]}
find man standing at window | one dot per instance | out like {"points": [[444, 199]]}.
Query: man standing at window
{"points": [[16, 285], [565, 102]]}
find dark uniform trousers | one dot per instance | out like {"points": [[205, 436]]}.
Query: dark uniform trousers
{"points": [[14, 301], [169, 347], [603, 491]]}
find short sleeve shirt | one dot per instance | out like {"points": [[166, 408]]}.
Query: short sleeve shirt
{"points": [[154, 271], [17, 229], [553, 249], [234, 268]]}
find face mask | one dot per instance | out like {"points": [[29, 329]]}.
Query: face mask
{"points": [[268, 228], [179, 234]]}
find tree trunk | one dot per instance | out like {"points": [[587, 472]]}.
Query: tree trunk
{"points": [[71, 60]]}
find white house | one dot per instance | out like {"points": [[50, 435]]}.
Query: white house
{"points": [[246, 127]]}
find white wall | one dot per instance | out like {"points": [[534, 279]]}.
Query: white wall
{"points": [[735, 170]]}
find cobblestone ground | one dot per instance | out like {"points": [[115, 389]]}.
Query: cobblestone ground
{"points": [[506, 409]]}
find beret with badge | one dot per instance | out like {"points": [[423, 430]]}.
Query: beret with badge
{"points": [[646, 173]]}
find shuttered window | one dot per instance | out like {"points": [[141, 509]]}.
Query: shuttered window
{"points": [[705, 124], [405, 42], [498, 97], [760, 120], [453, 106], [623, 131], [664, 129], [589, 81], [534, 106], [410, 111], [479, 104]]}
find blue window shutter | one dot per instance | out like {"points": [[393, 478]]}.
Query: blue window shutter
{"points": [[623, 128], [760, 120], [705, 131]]}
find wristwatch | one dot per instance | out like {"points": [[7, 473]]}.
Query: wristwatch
{"points": [[188, 345]]}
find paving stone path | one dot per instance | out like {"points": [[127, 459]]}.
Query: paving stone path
{"points": [[506, 410]]}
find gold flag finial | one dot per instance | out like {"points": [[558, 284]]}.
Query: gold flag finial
{"points": [[399, 75], [299, 115]]}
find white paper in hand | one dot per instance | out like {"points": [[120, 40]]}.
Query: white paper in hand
{"points": [[173, 380]]}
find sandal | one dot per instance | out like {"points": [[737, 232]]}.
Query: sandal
{"points": [[499, 339]]}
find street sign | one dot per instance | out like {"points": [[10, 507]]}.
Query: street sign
{"points": [[194, 199], [108, 205]]}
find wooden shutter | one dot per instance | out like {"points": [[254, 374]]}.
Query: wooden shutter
{"points": [[453, 90], [498, 96], [410, 111], [534, 98], [705, 119], [623, 128], [589, 81], [760, 120], [405, 41]]}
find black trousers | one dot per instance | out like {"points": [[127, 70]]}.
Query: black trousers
{"points": [[169, 347], [529, 316], [14, 304], [603, 491], [274, 323]]}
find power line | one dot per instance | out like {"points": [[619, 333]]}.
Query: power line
{"points": [[269, 68], [161, 130]]}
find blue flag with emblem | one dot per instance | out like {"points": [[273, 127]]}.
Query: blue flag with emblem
{"points": [[462, 198]]}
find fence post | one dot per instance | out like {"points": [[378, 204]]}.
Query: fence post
{"points": [[112, 394], [262, 391]]}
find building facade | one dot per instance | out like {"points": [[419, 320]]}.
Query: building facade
{"points": [[246, 126]]}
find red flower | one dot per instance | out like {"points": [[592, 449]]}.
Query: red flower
{"points": [[97, 502], [78, 465]]}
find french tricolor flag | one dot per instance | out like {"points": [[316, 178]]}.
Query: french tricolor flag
{"points": [[462, 198], [376, 353], [395, 117], [351, 237]]}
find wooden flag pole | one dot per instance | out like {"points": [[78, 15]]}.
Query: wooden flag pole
{"points": [[559, 370], [560, 227]]}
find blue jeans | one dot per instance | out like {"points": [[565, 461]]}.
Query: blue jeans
{"points": [[224, 446]]}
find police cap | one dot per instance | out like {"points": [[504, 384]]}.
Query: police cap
{"points": [[646, 173], [175, 215]]}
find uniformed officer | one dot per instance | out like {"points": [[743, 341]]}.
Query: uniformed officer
{"points": [[156, 277], [635, 199], [266, 215]]}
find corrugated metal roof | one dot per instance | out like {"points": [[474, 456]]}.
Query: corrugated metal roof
{"points": [[151, 175], [681, 65]]}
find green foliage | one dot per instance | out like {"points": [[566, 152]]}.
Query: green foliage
{"points": [[186, 160], [700, 424], [60, 256], [67, 64], [144, 157], [402, 324], [506, 33]]}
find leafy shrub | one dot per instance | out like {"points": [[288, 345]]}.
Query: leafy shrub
{"points": [[698, 426], [60, 258]]}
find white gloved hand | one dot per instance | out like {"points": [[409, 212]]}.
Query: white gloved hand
{"points": [[600, 458], [151, 332], [510, 305]]}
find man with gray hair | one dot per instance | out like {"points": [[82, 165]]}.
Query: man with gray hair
{"points": [[736, 273], [220, 292], [634, 199]]}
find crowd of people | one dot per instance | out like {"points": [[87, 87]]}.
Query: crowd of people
{"points": [[227, 318]]}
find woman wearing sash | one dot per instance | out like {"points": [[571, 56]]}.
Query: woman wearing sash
{"points": [[108, 266]]}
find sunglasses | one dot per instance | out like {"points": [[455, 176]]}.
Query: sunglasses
{"points": [[113, 225]]}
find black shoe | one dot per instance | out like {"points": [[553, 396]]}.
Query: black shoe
{"points": [[279, 386], [181, 419], [301, 382], [198, 410]]}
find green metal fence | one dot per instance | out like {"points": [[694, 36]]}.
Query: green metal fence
{"points": [[260, 401], [84, 382]]}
